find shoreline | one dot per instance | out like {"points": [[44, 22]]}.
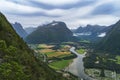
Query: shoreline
{"points": [[76, 67]]}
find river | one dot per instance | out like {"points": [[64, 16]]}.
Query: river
{"points": [[77, 66]]}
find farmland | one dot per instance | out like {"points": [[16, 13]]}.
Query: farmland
{"points": [[58, 55]]}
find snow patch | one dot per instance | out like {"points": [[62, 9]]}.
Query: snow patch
{"points": [[53, 24], [81, 34], [102, 34]]}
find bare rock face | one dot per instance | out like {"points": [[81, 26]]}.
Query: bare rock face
{"points": [[19, 29]]}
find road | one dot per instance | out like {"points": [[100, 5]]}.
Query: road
{"points": [[77, 67]]}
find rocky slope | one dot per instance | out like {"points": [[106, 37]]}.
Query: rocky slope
{"points": [[19, 29]]}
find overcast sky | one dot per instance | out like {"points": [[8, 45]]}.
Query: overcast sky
{"points": [[31, 13]]}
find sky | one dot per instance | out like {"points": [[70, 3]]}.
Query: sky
{"points": [[75, 13]]}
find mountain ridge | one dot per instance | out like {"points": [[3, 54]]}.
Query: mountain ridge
{"points": [[111, 43], [19, 29], [52, 32]]}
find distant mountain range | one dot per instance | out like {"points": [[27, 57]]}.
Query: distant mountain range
{"points": [[29, 30], [19, 29], [91, 32], [93, 29], [52, 32]]}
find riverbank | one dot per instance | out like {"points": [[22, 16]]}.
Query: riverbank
{"points": [[77, 67]]}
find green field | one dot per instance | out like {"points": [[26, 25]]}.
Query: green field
{"points": [[117, 59], [85, 41], [58, 65], [61, 57], [81, 51]]}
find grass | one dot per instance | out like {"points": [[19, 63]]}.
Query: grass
{"points": [[68, 43], [59, 65], [56, 54], [85, 41], [62, 46], [81, 51], [117, 59], [62, 54], [65, 55]]}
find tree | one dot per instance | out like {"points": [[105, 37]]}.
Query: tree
{"points": [[3, 44], [12, 71]]}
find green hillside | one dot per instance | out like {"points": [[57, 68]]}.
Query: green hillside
{"points": [[106, 54], [111, 43], [17, 61]]}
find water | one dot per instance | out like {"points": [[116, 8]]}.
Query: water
{"points": [[77, 66]]}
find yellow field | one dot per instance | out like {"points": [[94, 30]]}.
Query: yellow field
{"points": [[53, 53], [46, 49], [45, 46], [57, 54]]}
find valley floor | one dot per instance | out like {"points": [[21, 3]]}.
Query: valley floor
{"points": [[109, 75], [58, 57]]}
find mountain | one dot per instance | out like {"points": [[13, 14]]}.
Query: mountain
{"points": [[52, 32], [111, 43], [106, 53], [90, 28], [19, 29], [29, 30], [91, 32], [17, 61]]}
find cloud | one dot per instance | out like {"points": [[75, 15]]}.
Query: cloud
{"points": [[54, 4], [106, 8], [58, 2], [16, 8], [73, 12], [23, 10]]}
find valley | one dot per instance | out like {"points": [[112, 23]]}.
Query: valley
{"points": [[58, 55], [63, 59], [59, 40]]}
